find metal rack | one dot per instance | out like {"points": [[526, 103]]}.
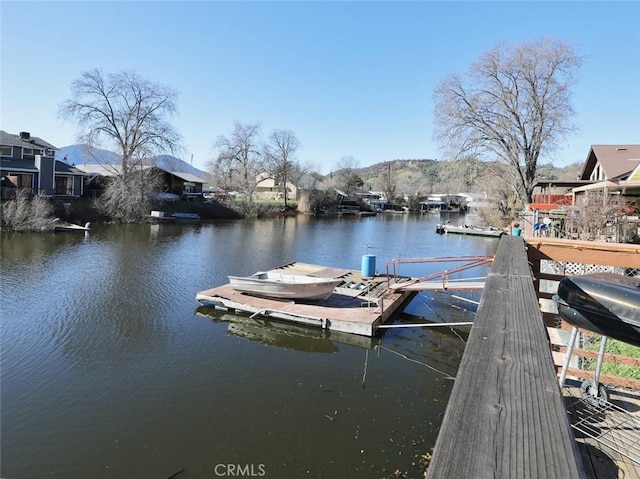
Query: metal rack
{"points": [[608, 424]]}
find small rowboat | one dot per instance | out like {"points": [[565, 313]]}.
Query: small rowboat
{"points": [[285, 286], [71, 227]]}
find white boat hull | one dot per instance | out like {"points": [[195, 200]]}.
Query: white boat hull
{"points": [[285, 286], [72, 227]]}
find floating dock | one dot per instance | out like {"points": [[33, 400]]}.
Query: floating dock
{"points": [[357, 306]]}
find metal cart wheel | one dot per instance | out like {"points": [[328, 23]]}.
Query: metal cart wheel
{"points": [[592, 396]]}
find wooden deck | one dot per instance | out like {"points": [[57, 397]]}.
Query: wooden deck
{"points": [[608, 436], [506, 416], [358, 306]]}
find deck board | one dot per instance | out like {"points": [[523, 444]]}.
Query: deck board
{"points": [[505, 416], [607, 441]]}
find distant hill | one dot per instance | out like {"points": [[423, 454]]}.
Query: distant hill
{"points": [[171, 163], [440, 176], [400, 167], [545, 171], [86, 155]]}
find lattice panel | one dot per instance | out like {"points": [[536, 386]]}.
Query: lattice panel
{"points": [[572, 269], [635, 272]]}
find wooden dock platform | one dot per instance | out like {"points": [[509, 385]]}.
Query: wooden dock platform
{"points": [[358, 306]]}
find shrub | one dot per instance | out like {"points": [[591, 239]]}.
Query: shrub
{"points": [[130, 200], [26, 213]]}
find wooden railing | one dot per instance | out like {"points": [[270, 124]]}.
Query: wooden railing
{"points": [[506, 417]]}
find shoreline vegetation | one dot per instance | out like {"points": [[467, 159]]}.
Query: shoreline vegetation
{"points": [[26, 213], [33, 213]]}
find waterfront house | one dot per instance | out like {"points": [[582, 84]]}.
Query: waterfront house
{"points": [[609, 175], [28, 163], [442, 202], [268, 188], [608, 170], [179, 178], [611, 170]]}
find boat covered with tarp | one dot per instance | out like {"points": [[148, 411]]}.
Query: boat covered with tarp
{"points": [[605, 303]]}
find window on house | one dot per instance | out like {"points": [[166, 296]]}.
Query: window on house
{"points": [[6, 151], [20, 181], [25, 181], [597, 174], [32, 151], [64, 185], [51, 152]]}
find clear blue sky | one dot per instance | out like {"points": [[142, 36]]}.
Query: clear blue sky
{"points": [[348, 78]]}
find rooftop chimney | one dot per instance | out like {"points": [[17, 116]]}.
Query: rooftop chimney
{"points": [[25, 135]]}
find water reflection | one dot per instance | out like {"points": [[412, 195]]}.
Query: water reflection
{"points": [[109, 370], [432, 348], [283, 334]]}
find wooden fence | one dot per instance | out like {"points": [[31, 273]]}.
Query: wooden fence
{"points": [[552, 260]]}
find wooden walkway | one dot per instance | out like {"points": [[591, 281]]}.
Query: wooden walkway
{"points": [[506, 417]]}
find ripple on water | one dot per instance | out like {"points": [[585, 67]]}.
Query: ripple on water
{"points": [[110, 356]]}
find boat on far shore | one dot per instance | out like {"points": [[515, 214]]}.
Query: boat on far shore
{"points": [[469, 230], [285, 286], [63, 227], [162, 217]]}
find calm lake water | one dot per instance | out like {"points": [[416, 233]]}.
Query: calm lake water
{"points": [[109, 369]]}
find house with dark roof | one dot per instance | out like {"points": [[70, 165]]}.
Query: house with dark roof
{"points": [[610, 162], [611, 170], [179, 183], [99, 166], [614, 169], [610, 177], [28, 163]]}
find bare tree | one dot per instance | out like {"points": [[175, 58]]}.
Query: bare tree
{"points": [[513, 104], [238, 163], [500, 185], [132, 200], [459, 175], [602, 216], [349, 179], [389, 185], [412, 186], [298, 175], [127, 114], [280, 150]]}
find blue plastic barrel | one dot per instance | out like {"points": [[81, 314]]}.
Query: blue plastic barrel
{"points": [[368, 265]]}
